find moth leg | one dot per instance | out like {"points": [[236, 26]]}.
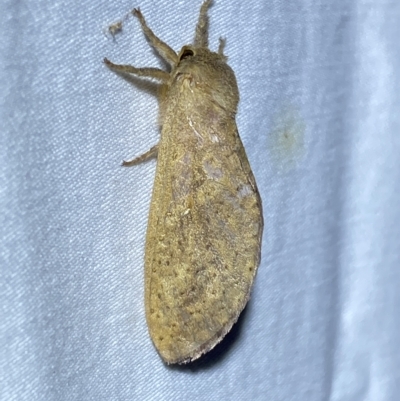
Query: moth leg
{"points": [[147, 72], [152, 152], [165, 51], [201, 38]]}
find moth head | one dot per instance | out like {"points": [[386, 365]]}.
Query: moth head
{"points": [[208, 73]]}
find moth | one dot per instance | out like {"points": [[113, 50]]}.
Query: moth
{"points": [[205, 223]]}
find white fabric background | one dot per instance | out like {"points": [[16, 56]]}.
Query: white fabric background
{"points": [[319, 117]]}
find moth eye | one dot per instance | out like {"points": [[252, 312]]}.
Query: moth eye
{"points": [[186, 54]]}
